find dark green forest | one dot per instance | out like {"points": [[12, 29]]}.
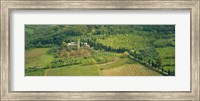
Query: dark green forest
{"points": [[152, 46]]}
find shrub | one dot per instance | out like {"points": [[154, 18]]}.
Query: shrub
{"points": [[100, 59], [125, 54], [89, 61]]}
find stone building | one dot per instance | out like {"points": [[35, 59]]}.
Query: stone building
{"points": [[77, 45]]}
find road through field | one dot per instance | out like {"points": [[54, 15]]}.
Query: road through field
{"points": [[121, 68]]}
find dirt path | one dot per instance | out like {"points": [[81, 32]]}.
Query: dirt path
{"points": [[107, 63], [103, 64]]}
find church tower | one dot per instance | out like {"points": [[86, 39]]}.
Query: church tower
{"points": [[78, 43]]}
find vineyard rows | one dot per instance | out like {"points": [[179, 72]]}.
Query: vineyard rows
{"points": [[128, 41], [129, 70]]}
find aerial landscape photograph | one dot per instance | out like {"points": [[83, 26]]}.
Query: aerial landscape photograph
{"points": [[99, 50]]}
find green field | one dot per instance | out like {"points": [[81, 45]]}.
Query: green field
{"points": [[168, 58], [101, 69], [75, 70], [166, 52], [39, 72], [38, 58]]}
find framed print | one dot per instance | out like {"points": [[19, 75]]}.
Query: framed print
{"points": [[99, 50]]}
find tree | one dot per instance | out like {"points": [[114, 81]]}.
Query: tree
{"points": [[158, 62], [162, 69], [153, 64], [169, 72], [149, 62], [64, 44]]}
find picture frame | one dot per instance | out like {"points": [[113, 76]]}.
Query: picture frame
{"points": [[8, 5]]}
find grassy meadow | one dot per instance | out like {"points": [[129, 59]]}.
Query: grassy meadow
{"points": [[37, 57], [99, 50]]}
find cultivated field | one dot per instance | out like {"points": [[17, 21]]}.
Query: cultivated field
{"points": [[129, 70], [130, 42], [119, 66]]}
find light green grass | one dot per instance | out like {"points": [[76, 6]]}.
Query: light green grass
{"points": [[170, 61], [164, 42], [171, 68], [39, 72], [74, 70], [37, 57], [166, 52]]}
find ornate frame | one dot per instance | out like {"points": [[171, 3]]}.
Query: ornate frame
{"points": [[8, 5]]}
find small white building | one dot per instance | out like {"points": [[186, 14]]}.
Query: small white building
{"points": [[86, 46], [76, 45]]}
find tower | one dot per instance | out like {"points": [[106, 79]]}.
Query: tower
{"points": [[78, 43]]}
